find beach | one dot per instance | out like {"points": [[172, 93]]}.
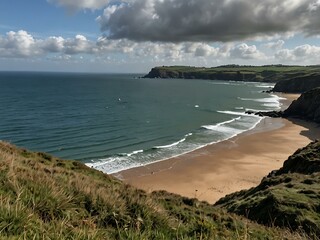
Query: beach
{"points": [[219, 169]]}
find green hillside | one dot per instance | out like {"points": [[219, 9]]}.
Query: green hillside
{"points": [[43, 197], [287, 197], [268, 73]]}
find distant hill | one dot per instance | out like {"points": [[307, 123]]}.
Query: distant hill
{"points": [[268, 73]]}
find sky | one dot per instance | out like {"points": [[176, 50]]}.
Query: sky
{"points": [[132, 36]]}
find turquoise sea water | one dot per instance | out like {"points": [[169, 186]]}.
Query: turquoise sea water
{"points": [[115, 122]]}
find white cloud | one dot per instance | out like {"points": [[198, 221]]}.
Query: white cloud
{"points": [[79, 44], [200, 49], [304, 54], [53, 44], [284, 55], [245, 51], [18, 44], [23, 45]]}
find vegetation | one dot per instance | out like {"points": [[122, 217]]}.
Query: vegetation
{"points": [[298, 84], [268, 73], [43, 197], [288, 197]]}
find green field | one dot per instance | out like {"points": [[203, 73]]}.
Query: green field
{"points": [[268, 73]]}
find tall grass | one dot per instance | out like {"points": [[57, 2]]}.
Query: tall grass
{"points": [[42, 197]]}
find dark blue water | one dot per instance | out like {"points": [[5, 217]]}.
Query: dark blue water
{"points": [[114, 122]]}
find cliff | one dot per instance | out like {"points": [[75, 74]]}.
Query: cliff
{"points": [[195, 73], [287, 197], [307, 106], [298, 84], [269, 73]]}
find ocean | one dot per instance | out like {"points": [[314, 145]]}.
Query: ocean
{"points": [[114, 122]]}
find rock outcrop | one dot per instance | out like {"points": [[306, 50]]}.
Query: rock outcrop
{"points": [[273, 114], [307, 106], [160, 73], [298, 84]]}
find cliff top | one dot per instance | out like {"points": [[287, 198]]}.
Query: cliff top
{"points": [[268, 73]]}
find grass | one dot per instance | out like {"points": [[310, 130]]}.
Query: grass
{"points": [[288, 197], [43, 197], [251, 69], [268, 73]]}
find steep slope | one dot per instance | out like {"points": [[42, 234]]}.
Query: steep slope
{"points": [[298, 84], [288, 197], [307, 106], [42, 197]]}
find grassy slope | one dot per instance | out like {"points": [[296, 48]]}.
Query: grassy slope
{"points": [[42, 197], [272, 73], [287, 197]]}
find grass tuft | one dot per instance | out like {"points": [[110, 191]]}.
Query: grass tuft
{"points": [[42, 197]]}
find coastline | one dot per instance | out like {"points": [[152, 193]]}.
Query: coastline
{"points": [[239, 163]]}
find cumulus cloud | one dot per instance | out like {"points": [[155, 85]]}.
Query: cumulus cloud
{"points": [[157, 49], [209, 20], [79, 44], [304, 53], [200, 49], [18, 44], [22, 44], [245, 51], [53, 44]]}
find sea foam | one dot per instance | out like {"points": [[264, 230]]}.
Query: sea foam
{"points": [[207, 134]]}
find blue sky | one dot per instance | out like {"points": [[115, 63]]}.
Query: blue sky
{"points": [[44, 19], [135, 35]]}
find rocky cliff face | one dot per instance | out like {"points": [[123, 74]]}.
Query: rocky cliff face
{"points": [[159, 72], [307, 106], [298, 84], [268, 73], [288, 197]]}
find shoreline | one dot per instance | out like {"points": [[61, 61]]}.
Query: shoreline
{"points": [[214, 171]]}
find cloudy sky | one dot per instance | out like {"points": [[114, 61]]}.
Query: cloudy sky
{"points": [[135, 35]]}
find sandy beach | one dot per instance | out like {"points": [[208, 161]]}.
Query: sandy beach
{"points": [[239, 163]]}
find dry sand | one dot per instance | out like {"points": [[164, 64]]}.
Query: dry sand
{"points": [[240, 163]]}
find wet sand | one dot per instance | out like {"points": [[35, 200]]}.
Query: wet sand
{"points": [[239, 163]]}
